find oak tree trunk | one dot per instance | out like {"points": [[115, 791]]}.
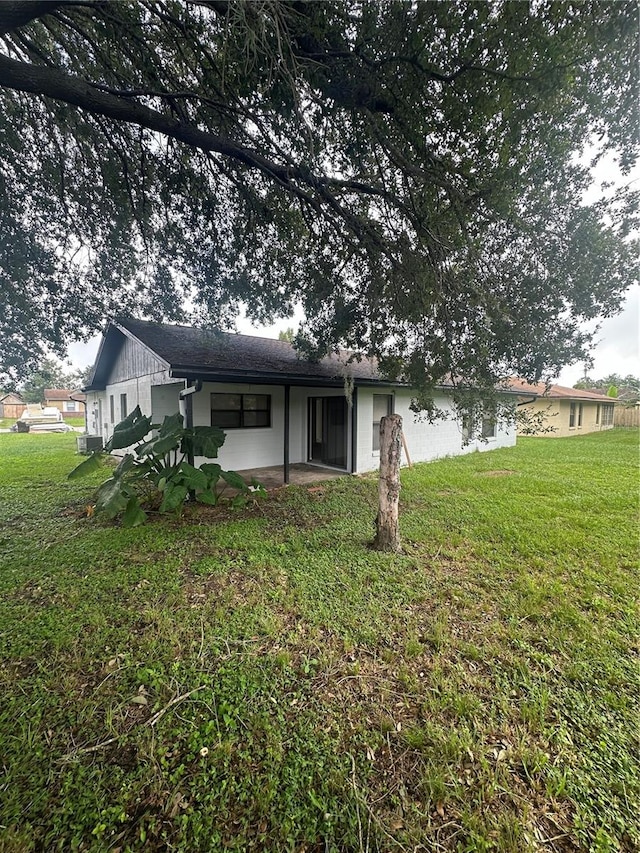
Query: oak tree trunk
{"points": [[387, 533]]}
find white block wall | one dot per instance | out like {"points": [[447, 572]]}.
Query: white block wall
{"points": [[157, 395], [425, 441], [138, 393]]}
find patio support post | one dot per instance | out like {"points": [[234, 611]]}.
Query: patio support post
{"points": [[354, 430], [287, 390]]}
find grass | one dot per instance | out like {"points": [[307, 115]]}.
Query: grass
{"points": [[262, 680]]}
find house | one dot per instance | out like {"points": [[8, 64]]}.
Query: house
{"points": [[276, 408], [568, 411], [65, 401], [11, 406]]}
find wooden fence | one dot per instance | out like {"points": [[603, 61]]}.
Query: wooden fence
{"points": [[626, 416]]}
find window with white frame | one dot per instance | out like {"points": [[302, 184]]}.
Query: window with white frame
{"points": [[580, 414], [70, 406], [123, 406], [489, 426], [382, 406], [467, 426], [607, 414], [572, 415], [240, 411]]}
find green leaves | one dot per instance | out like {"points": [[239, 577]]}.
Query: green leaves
{"points": [[87, 466], [160, 462], [133, 428], [436, 156]]}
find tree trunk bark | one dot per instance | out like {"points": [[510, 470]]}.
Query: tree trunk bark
{"points": [[387, 533]]}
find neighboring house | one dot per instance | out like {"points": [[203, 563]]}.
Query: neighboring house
{"points": [[11, 406], [275, 407], [65, 401], [569, 411]]}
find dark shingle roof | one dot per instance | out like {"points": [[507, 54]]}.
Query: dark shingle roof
{"points": [[194, 351]]}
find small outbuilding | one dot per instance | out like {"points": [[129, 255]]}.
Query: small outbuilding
{"points": [[12, 406]]}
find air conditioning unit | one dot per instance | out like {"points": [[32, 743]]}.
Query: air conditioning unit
{"points": [[89, 443]]}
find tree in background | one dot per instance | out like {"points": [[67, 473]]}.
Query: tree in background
{"points": [[50, 374], [405, 172], [625, 388], [287, 334]]}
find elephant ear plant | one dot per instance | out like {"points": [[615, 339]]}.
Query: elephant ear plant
{"points": [[158, 468]]}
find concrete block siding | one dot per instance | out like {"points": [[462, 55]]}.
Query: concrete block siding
{"points": [[158, 395], [425, 441]]}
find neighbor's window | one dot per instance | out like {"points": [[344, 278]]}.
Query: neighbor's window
{"points": [[240, 411], [70, 406], [598, 413], [467, 426], [489, 427], [607, 414], [382, 406], [112, 409], [580, 415], [572, 415], [123, 406]]}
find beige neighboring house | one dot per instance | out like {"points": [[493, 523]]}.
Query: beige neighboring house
{"points": [[569, 411], [65, 401]]}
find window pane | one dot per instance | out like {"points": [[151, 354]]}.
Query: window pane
{"points": [[226, 420], [226, 401], [572, 415], [376, 438], [488, 428], [255, 402], [256, 419], [381, 406]]}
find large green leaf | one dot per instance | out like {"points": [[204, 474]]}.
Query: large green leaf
{"points": [[129, 431], [174, 496], [134, 515], [164, 444], [112, 497], [212, 471], [87, 466], [207, 497], [234, 480], [171, 425], [205, 441], [192, 477], [126, 464]]}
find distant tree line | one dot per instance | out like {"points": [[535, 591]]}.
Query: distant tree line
{"points": [[625, 388], [49, 374]]}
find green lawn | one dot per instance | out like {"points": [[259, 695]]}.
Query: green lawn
{"points": [[261, 680]]}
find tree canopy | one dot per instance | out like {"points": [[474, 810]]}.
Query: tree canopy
{"points": [[408, 173], [627, 387]]}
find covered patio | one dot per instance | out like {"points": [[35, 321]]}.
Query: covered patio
{"points": [[300, 474]]}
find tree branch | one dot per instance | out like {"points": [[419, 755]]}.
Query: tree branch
{"points": [[17, 13]]}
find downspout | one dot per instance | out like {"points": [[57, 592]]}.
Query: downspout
{"points": [[186, 397], [287, 406], [354, 430]]}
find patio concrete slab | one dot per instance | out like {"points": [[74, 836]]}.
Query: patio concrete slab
{"points": [[299, 475]]}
